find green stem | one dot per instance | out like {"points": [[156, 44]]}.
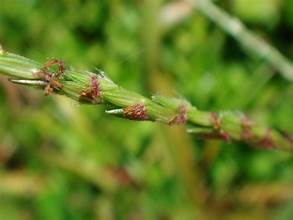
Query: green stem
{"points": [[84, 86]]}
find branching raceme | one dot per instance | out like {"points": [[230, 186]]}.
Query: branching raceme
{"points": [[95, 88]]}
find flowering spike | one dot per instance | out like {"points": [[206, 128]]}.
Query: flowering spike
{"points": [[83, 85]]}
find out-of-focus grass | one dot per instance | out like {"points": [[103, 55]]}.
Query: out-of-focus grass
{"points": [[60, 160]]}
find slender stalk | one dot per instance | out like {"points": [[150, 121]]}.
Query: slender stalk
{"points": [[95, 88]]}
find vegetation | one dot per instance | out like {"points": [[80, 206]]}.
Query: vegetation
{"points": [[60, 159]]}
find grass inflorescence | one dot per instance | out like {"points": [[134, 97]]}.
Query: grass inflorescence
{"points": [[96, 88]]}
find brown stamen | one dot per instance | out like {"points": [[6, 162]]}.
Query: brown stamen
{"points": [[224, 135], [51, 77], [92, 94], [246, 124], [136, 112], [266, 141], [216, 121], [181, 117]]}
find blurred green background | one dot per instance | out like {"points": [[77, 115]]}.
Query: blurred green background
{"points": [[62, 160]]}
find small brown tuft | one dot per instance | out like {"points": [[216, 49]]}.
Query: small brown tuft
{"points": [[224, 135], [92, 94], [59, 63], [216, 121], [181, 117], [266, 141], [217, 126], [136, 112], [95, 87], [246, 124], [52, 78]]}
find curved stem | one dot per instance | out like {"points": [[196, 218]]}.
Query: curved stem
{"points": [[246, 38]]}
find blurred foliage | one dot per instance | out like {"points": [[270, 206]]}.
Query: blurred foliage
{"points": [[60, 160]]}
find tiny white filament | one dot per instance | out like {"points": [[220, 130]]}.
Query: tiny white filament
{"points": [[29, 82]]}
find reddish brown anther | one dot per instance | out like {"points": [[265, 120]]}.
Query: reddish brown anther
{"points": [[59, 63], [93, 93], [246, 124], [216, 121], [95, 87], [217, 126], [267, 141], [181, 117], [136, 112], [52, 78], [224, 135]]}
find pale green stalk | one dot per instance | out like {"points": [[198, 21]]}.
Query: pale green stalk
{"points": [[124, 103]]}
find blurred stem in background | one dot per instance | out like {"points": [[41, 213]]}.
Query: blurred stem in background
{"points": [[176, 138], [235, 28]]}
